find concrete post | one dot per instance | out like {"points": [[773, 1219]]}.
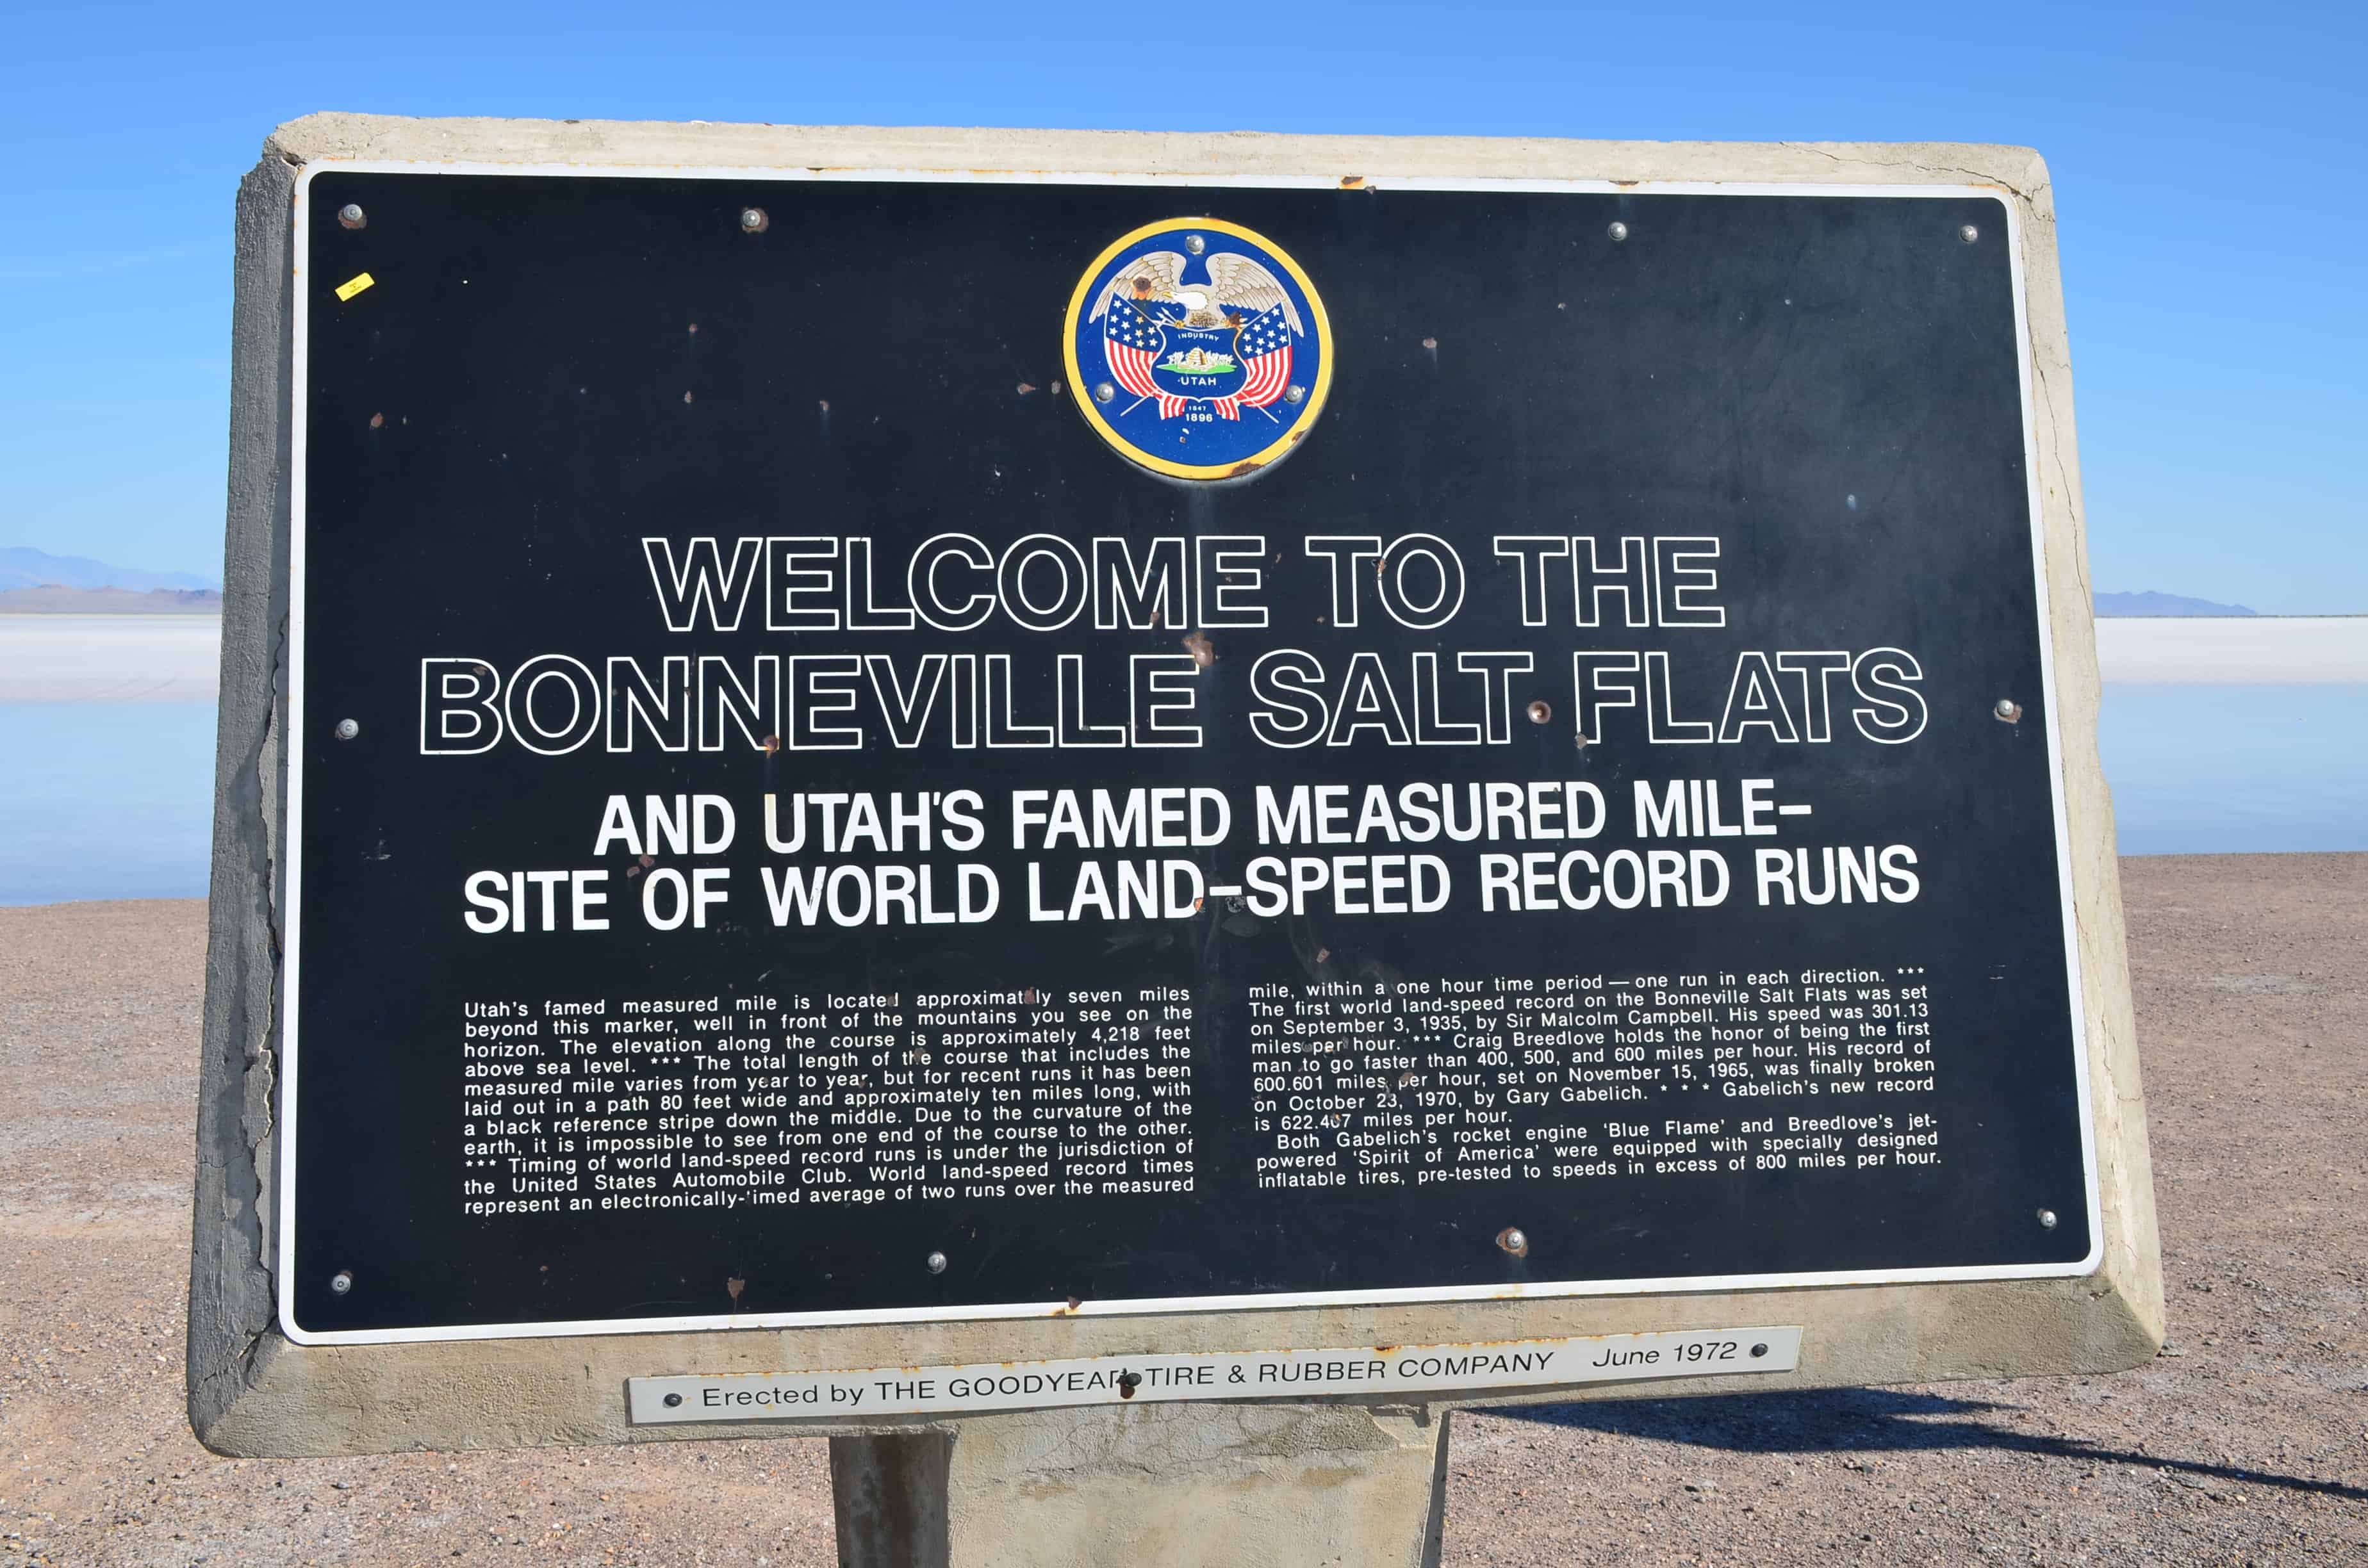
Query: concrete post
{"points": [[888, 1497], [1224, 1485]]}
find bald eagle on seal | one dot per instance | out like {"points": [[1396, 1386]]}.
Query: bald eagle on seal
{"points": [[1238, 289]]}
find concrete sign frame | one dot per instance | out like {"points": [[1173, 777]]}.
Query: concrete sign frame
{"points": [[252, 1390]]}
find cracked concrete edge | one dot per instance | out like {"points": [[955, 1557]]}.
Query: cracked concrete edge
{"points": [[2132, 1267], [252, 1392], [558, 1392], [232, 1234], [695, 144]]}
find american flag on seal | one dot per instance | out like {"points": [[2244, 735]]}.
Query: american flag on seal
{"points": [[1150, 294], [1134, 337]]}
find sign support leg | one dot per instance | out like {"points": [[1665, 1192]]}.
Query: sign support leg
{"points": [[888, 1496], [1303, 1485]]}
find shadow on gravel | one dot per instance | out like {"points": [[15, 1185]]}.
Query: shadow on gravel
{"points": [[1865, 1421]]}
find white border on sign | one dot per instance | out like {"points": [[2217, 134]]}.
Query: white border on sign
{"points": [[293, 859]]}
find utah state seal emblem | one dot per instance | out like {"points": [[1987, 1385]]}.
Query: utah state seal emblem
{"points": [[1198, 349]]}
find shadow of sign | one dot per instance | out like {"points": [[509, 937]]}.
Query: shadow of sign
{"points": [[1878, 1421]]}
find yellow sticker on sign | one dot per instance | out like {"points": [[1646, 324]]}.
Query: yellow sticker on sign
{"points": [[355, 285]]}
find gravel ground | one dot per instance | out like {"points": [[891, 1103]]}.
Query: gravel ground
{"points": [[2246, 1443]]}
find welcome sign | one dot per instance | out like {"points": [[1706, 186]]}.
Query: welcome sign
{"points": [[876, 749]]}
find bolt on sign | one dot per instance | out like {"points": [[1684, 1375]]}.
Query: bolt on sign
{"points": [[888, 734]]}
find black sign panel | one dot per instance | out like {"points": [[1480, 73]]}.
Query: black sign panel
{"points": [[799, 817]]}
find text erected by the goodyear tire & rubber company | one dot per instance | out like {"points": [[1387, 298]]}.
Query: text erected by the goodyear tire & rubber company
{"points": [[1260, 1374]]}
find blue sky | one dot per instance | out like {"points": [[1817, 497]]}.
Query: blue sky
{"points": [[2208, 165]]}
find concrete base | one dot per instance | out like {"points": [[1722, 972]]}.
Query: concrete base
{"points": [[1238, 1485]]}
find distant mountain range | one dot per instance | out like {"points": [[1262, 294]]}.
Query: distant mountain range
{"points": [[109, 601], [2151, 603], [24, 567]]}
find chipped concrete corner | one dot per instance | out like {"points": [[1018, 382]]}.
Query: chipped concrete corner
{"points": [[253, 1393], [231, 1294]]}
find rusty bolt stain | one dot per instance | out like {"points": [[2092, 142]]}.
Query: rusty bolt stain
{"points": [[733, 1286], [752, 221], [1539, 712], [1322, 954], [2007, 711], [1076, 1301], [1203, 651], [1511, 1239], [353, 216], [1618, 232], [1025, 387], [1579, 742], [1352, 182], [772, 743], [1431, 344], [378, 421], [1127, 1383], [1407, 1080], [1239, 469], [648, 861], [340, 1282]]}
